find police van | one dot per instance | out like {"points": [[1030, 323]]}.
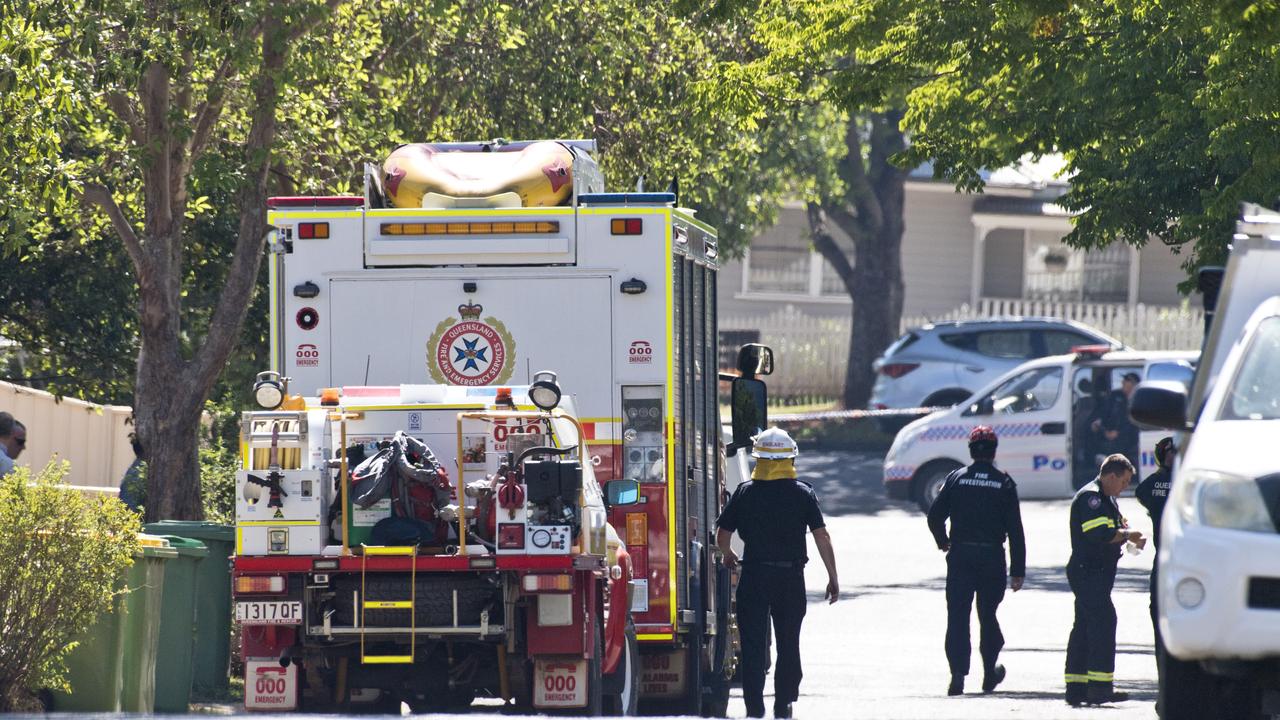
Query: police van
{"points": [[1044, 413]]}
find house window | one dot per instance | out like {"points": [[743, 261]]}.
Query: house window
{"points": [[785, 263], [1058, 273]]}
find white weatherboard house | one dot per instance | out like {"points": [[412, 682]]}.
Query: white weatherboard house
{"points": [[964, 256]]}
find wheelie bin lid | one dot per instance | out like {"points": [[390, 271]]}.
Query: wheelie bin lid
{"points": [[154, 546], [197, 529], [187, 547]]}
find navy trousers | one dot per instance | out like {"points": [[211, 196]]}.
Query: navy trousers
{"points": [[765, 592]]}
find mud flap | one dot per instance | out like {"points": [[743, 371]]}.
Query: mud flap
{"points": [[560, 683], [267, 686]]}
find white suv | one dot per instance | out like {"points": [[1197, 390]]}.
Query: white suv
{"points": [[1219, 559], [942, 364]]}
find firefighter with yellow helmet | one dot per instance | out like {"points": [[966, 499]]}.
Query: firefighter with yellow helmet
{"points": [[771, 513]]}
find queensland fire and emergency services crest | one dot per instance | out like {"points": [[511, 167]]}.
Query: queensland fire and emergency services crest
{"points": [[471, 351]]}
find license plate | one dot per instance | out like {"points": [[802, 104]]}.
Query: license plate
{"points": [[269, 612], [560, 683]]}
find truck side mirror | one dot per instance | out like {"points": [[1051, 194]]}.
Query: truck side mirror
{"points": [[749, 407], [1161, 404], [621, 492], [755, 359]]}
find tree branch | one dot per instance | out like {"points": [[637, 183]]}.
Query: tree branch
{"points": [[100, 196], [242, 276], [826, 245], [124, 111]]}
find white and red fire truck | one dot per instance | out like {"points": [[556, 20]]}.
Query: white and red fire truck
{"points": [[464, 269]]}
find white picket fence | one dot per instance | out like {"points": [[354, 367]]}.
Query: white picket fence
{"points": [[812, 352]]}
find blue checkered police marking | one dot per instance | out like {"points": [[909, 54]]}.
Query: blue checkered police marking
{"points": [[961, 432]]}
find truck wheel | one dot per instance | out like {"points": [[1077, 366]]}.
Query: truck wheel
{"points": [[622, 688], [1188, 692], [928, 482]]}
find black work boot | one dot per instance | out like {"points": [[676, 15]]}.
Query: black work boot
{"points": [[957, 685], [781, 709], [992, 678]]}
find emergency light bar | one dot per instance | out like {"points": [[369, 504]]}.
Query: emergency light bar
{"points": [[1091, 350], [470, 228], [312, 201]]}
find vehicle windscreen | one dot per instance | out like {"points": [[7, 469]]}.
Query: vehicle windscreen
{"points": [[1033, 390], [1254, 393]]}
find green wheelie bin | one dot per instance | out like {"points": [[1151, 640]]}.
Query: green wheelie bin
{"points": [[211, 654], [178, 625], [113, 668]]}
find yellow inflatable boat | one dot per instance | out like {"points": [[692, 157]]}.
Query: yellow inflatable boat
{"points": [[538, 175]]}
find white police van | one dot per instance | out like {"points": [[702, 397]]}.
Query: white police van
{"points": [[1042, 411], [1219, 560]]}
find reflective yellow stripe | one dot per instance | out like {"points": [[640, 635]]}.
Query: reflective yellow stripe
{"points": [[1077, 678], [387, 659], [388, 604], [1101, 676], [1088, 525]]}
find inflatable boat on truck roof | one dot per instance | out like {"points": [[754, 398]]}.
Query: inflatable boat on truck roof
{"points": [[468, 266]]}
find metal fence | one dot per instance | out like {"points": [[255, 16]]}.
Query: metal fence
{"points": [[811, 352]]}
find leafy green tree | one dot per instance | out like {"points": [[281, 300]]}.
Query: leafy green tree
{"points": [[165, 125], [809, 60], [1163, 111]]}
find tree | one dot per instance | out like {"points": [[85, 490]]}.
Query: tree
{"points": [[811, 59], [1164, 112], [166, 124]]}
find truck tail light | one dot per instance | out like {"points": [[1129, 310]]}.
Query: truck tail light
{"points": [[249, 584], [313, 230], [626, 226], [547, 583], [897, 370]]}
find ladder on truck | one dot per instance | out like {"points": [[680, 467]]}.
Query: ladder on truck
{"points": [[411, 552]]}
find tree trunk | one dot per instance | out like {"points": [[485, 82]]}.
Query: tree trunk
{"points": [[167, 418], [870, 213]]}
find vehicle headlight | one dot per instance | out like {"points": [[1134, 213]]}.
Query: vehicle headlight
{"points": [[1224, 501]]}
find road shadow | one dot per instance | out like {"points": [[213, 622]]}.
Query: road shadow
{"points": [[1054, 579], [1040, 579], [848, 482]]}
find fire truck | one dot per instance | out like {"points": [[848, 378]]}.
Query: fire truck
{"points": [[462, 274]]}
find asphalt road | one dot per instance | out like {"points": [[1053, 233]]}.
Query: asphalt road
{"points": [[877, 653]]}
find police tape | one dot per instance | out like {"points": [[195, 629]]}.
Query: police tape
{"points": [[852, 414]]}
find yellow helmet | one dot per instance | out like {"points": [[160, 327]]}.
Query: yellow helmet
{"points": [[774, 444]]}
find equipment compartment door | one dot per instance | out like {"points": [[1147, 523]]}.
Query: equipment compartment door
{"points": [[429, 331]]}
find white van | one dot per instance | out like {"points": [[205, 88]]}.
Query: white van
{"points": [[1042, 411], [1219, 559]]}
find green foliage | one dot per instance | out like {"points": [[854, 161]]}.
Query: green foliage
{"points": [[1163, 111], [373, 74], [60, 556]]}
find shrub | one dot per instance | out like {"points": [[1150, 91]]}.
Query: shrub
{"points": [[60, 556], [218, 466]]}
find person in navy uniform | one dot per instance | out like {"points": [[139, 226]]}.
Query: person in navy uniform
{"points": [[772, 513], [1152, 493], [1098, 530], [982, 504]]}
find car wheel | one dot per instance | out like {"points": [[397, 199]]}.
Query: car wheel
{"points": [[928, 482]]}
